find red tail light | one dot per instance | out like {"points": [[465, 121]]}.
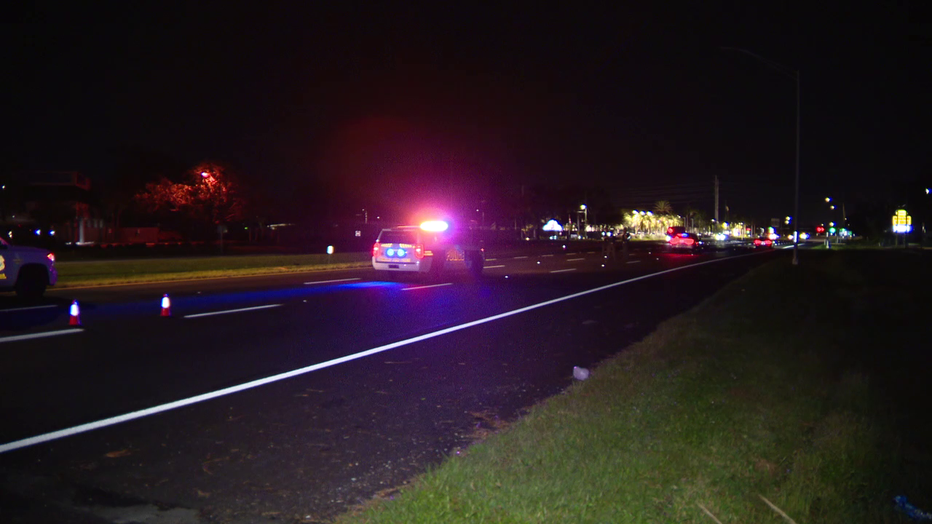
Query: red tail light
{"points": [[756, 241], [419, 250], [376, 249], [689, 241]]}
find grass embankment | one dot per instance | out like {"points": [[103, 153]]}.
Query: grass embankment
{"points": [[104, 272], [791, 385]]}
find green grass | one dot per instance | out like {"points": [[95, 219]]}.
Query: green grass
{"points": [[103, 272], [719, 408]]}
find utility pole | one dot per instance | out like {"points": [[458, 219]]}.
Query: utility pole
{"points": [[716, 199]]}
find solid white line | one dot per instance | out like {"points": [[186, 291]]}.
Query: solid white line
{"points": [[563, 270], [519, 258], [26, 308], [212, 313], [574, 259], [331, 281], [425, 287], [546, 255], [83, 428], [634, 261], [16, 338], [493, 267]]}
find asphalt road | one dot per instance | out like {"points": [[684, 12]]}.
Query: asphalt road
{"points": [[294, 397]]}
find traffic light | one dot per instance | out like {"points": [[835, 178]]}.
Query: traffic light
{"points": [[831, 230], [819, 229]]}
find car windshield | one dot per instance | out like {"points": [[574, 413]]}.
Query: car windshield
{"points": [[398, 237]]}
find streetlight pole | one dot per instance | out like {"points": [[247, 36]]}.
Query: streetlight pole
{"points": [[794, 74]]}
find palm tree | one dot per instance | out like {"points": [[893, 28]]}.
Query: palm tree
{"points": [[663, 207]]}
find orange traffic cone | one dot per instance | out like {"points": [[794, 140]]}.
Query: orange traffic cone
{"points": [[166, 306], [74, 314]]}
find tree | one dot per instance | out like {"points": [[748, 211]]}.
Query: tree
{"points": [[663, 207], [209, 195]]}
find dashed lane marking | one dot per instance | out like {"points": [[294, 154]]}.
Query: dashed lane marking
{"points": [[32, 336], [227, 311]]}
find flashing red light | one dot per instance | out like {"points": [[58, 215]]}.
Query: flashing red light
{"points": [[670, 231], [51, 257], [820, 229], [419, 250], [376, 249], [682, 239]]}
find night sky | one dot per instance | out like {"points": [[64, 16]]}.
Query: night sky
{"points": [[389, 101]]}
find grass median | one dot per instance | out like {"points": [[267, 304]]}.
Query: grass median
{"points": [[796, 394], [108, 272]]}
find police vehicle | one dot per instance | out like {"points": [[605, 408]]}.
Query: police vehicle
{"points": [[433, 248], [26, 270]]}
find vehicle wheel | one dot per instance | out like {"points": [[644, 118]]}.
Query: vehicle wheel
{"points": [[474, 263], [31, 283]]}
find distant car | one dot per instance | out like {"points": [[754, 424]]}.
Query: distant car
{"points": [[678, 239], [432, 248], [26, 270], [763, 242]]}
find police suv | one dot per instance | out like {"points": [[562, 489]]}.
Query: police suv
{"points": [[432, 248], [26, 270]]}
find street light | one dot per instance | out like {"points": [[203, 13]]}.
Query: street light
{"points": [[794, 74]]}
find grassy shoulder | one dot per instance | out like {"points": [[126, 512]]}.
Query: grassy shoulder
{"points": [[104, 272], [781, 394]]}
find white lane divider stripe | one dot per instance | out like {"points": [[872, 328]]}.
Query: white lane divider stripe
{"points": [[494, 267], [426, 287], [32, 336], [546, 255], [634, 261], [519, 258], [14, 310], [212, 313], [90, 426], [574, 259], [563, 270], [331, 281]]}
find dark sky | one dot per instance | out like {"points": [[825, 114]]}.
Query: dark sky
{"points": [[398, 99]]}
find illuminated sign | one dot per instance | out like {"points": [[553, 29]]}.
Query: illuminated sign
{"points": [[902, 223]]}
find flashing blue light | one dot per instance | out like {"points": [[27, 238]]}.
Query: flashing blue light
{"points": [[390, 252], [402, 253]]}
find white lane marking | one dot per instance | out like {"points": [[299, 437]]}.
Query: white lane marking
{"points": [[490, 259], [546, 255], [563, 270], [212, 313], [493, 267], [331, 281], [574, 259], [634, 261], [519, 258], [26, 308], [425, 287], [90, 426], [31, 336]]}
